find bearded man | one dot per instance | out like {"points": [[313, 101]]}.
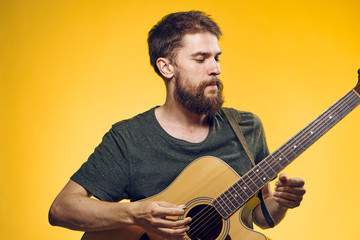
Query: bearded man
{"points": [[141, 156]]}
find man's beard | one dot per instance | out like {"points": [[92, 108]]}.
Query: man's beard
{"points": [[195, 100]]}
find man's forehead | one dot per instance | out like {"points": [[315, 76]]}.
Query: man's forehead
{"points": [[200, 43]]}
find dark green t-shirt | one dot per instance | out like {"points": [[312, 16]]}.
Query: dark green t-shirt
{"points": [[137, 158]]}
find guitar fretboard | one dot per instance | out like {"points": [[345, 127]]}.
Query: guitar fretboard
{"points": [[248, 185]]}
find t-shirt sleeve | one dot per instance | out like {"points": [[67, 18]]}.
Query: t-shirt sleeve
{"points": [[261, 148], [106, 173]]}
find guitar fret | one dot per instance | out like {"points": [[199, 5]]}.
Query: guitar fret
{"points": [[245, 188], [308, 135], [279, 158], [256, 186], [251, 185], [349, 107], [270, 166], [329, 120], [231, 207], [355, 102], [284, 156], [299, 144], [262, 169], [243, 195], [277, 161], [264, 177], [236, 195], [275, 166], [289, 153], [224, 212], [299, 147], [257, 176]]}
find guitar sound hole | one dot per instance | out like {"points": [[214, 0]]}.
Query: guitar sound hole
{"points": [[206, 223]]}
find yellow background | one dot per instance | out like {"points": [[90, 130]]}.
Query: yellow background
{"points": [[70, 69]]}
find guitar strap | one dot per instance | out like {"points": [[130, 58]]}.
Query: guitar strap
{"points": [[234, 118]]}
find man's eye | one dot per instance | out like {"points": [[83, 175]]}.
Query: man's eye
{"points": [[199, 60]]}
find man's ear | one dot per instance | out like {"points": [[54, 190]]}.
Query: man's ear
{"points": [[165, 67]]}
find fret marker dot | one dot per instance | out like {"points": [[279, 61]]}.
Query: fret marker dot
{"points": [[235, 195], [257, 170], [244, 187], [264, 178], [311, 132], [330, 117], [280, 158], [295, 146]]}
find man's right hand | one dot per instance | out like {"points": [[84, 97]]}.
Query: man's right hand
{"points": [[152, 217]]}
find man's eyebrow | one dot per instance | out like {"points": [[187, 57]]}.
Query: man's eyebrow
{"points": [[200, 53]]}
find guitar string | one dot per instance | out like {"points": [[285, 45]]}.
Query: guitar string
{"points": [[204, 222], [204, 216], [201, 215], [301, 135], [212, 209], [207, 227], [203, 226]]}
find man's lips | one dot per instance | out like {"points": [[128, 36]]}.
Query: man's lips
{"points": [[212, 86], [213, 83]]}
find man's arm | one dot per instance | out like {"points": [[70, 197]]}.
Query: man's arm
{"points": [[74, 209], [288, 194]]}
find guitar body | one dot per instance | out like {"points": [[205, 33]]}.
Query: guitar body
{"points": [[196, 187]]}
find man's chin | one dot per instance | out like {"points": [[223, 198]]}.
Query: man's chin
{"points": [[211, 93]]}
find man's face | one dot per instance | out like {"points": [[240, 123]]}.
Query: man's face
{"points": [[197, 69]]}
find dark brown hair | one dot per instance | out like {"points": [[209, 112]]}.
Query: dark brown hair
{"points": [[165, 37]]}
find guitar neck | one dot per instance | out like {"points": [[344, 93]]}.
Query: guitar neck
{"points": [[250, 183]]}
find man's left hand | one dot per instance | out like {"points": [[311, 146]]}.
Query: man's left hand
{"points": [[289, 191]]}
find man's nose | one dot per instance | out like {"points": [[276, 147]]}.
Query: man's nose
{"points": [[214, 68]]}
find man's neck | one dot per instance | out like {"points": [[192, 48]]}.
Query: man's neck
{"points": [[182, 123]]}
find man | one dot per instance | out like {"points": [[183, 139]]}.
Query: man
{"points": [[141, 156]]}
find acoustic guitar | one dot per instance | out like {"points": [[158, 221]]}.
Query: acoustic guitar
{"points": [[218, 200]]}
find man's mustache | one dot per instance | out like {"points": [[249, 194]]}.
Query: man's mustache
{"points": [[214, 81]]}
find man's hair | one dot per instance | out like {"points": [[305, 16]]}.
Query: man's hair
{"points": [[165, 38]]}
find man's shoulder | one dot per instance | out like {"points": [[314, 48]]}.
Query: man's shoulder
{"points": [[138, 121], [243, 117]]}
